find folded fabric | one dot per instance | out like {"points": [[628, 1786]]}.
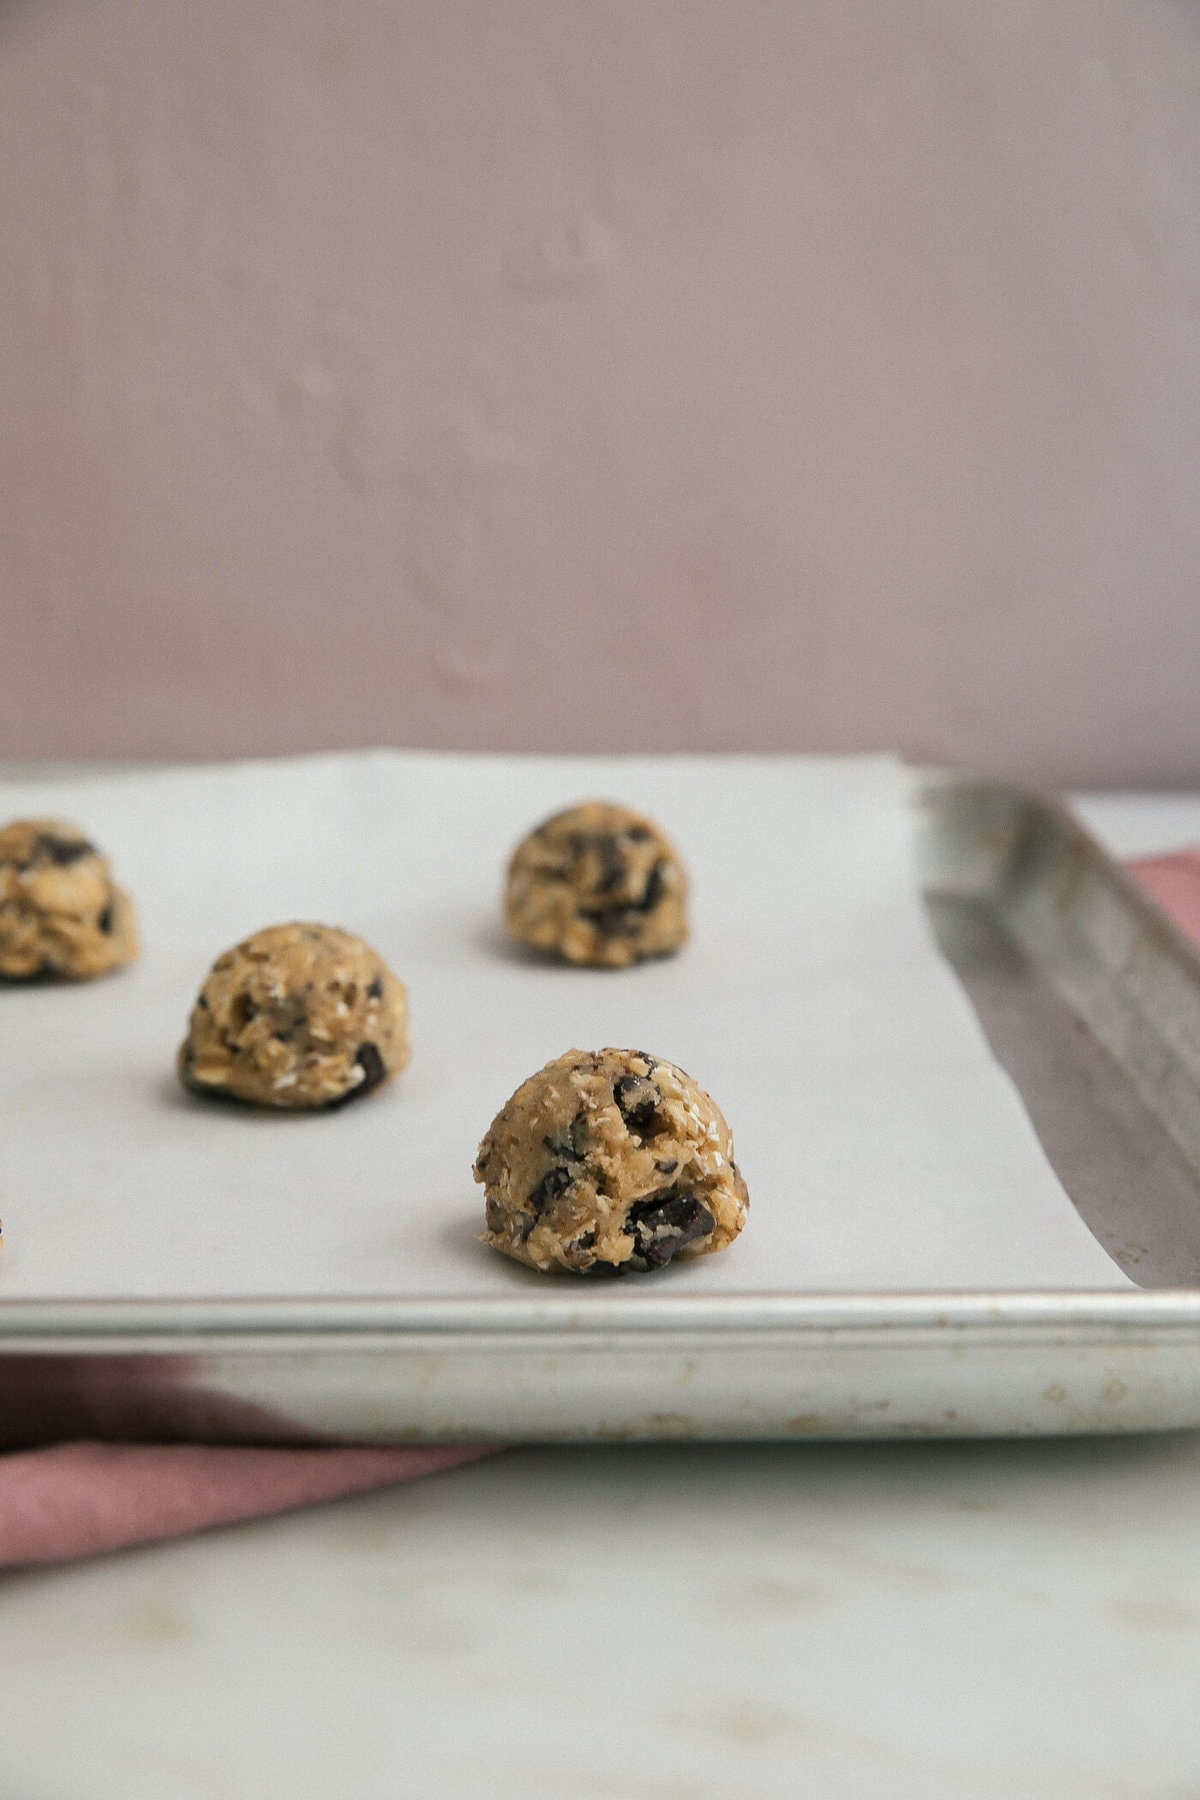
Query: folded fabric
{"points": [[1174, 883], [78, 1499]]}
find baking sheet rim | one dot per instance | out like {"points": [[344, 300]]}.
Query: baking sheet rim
{"points": [[178, 1324]]}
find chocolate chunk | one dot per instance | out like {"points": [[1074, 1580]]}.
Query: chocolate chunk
{"points": [[662, 1224], [577, 1254], [654, 889], [62, 852], [372, 1066], [555, 1182], [493, 1212], [375, 991], [612, 863], [668, 1165], [637, 1100], [564, 1151], [105, 921], [622, 920], [611, 921]]}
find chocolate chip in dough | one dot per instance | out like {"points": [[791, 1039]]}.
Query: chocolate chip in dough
{"points": [[663, 1224]]}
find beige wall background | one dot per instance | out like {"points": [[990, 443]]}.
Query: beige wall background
{"points": [[664, 373]]}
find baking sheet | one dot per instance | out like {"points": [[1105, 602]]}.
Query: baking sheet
{"points": [[883, 1145]]}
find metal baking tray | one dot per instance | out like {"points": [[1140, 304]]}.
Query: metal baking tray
{"points": [[1091, 1000]]}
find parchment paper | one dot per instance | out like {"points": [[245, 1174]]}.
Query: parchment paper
{"points": [[883, 1146]]}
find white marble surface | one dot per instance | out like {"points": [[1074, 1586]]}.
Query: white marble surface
{"points": [[971, 1622], [940, 1622]]}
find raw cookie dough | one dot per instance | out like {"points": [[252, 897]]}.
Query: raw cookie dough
{"points": [[613, 1158], [297, 1016], [599, 884], [60, 913]]}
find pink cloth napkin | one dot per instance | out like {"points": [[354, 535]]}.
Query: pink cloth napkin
{"points": [[78, 1499], [1174, 883]]}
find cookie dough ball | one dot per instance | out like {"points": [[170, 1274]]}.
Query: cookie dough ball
{"points": [[297, 1016], [60, 913], [599, 884], [612, 1158]]}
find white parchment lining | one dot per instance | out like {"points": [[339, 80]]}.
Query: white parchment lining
{"points": [[883, 1146]]}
